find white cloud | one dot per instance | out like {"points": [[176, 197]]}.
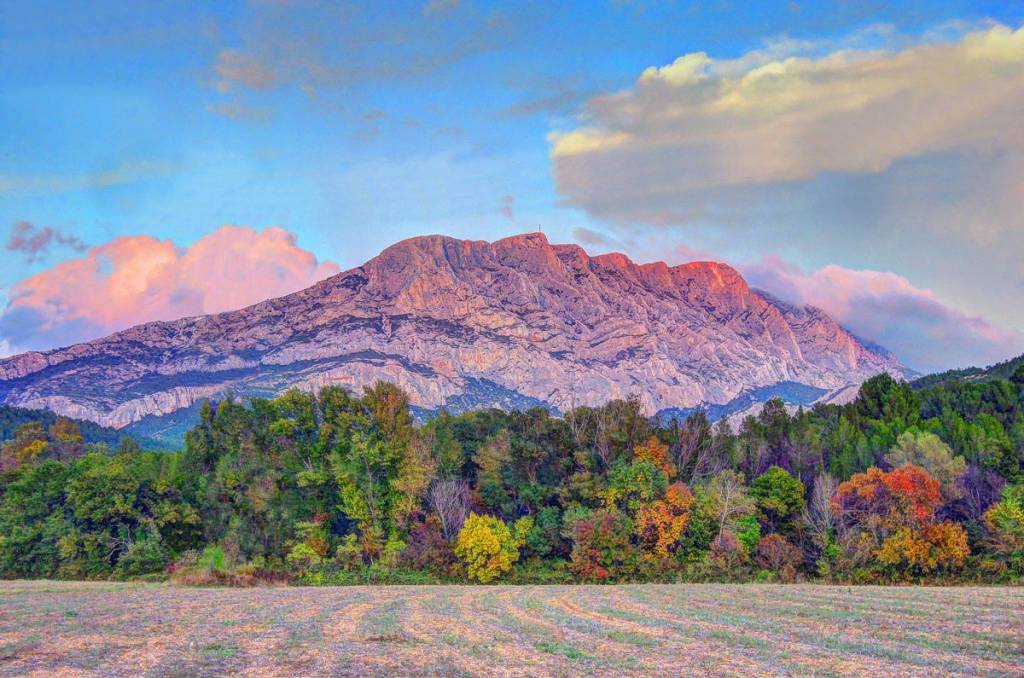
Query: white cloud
{"points": [[767, 116]]}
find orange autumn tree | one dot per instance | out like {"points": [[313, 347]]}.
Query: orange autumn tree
{"points": [[660, 524], [655, 452], [894, 512]]}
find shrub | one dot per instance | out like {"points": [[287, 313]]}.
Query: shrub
{"points": [[748, 532], [427, 549], [1004, 526], [349, 554], [144, 556], [727, 556], [778, 555]]}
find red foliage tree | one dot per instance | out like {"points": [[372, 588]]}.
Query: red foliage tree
{"points": [[895, 512]]}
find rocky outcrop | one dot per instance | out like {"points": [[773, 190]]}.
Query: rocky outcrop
{"points": [[461, 324]]}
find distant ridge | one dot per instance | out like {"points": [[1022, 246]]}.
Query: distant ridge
{"points": [[1003, 370]]}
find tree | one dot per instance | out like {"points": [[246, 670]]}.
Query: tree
{"points": [[488, 547], [1004, 523], [819, 520], [728, 499], [415, 478], [449, 498], [660, 524], [28, 447], [779, 495], [601, 545], [894, 513], [635, 483], [927, 451], [491, 458], [693, 445], [368, 465], [656, 452]]}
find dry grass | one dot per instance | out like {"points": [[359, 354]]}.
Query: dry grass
{"points": [[104, 629]]}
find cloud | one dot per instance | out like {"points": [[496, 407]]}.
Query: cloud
{"points": [[313, 46], [434, 7], [508, 205], [237, 111], [922, 330], [125, 173], [34, 242], [876, 151], [787, 113], [234, 67], [137, 279], [590, 237], [559, 102]]}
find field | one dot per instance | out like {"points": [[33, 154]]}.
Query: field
{"points": [[99, 629]]}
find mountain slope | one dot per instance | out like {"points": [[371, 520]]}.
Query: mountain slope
{"points": [[456, 323]]}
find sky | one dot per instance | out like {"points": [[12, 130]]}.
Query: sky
{"points": [[167, 159]]}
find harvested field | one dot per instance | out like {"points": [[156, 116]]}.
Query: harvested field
{"points": [[109, 629]]}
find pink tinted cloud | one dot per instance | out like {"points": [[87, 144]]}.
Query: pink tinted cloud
{"points": [[137, 279], [914, 323], [508, 205]]}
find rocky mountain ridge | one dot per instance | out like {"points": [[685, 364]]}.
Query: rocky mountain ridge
{"points": [[461, 324]]}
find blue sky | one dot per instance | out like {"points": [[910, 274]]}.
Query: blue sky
{"points": [[354, 126]]}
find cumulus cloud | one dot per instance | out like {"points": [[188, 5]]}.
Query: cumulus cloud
{"points": [[34, 242], [877, 151], [136, 279], [922, 330], [768, 117]]}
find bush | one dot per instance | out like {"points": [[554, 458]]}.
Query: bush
{"points": [[427, 549], [348, 555], [144, 556], [727, 557], [776, 554]]}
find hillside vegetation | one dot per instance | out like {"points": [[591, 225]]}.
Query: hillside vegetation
{"points": [[1003, 370], [899, 485], [12, 418]]}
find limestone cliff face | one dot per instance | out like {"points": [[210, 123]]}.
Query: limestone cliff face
{"points": [[463, 324]]}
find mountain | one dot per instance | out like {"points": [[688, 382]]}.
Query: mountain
{"points": [[1003, 370], [462, 324]]}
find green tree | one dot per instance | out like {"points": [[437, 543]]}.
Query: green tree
{"points": [[779, 496]]}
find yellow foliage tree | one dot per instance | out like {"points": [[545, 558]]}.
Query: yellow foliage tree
{"points": [[488, 547]]}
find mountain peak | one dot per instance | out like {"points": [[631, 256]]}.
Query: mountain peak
{"points": [[461, 323]]}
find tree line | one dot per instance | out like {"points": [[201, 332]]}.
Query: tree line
{"points": [[900, 485]]}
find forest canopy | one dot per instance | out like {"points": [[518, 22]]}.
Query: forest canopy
{"points": [[902, 484]]}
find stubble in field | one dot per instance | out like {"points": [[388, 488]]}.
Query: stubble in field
{"points": [[101, 629]]}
